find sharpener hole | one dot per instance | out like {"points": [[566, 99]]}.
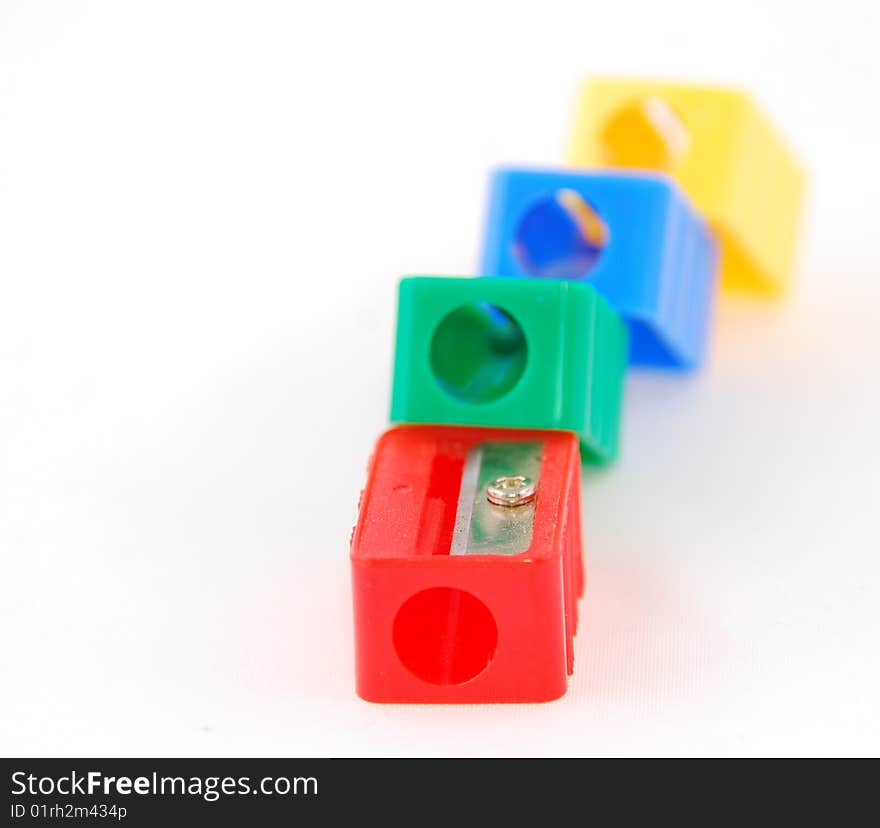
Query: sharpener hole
{"points": [[445, 635], [560, 237], [478, 353]]}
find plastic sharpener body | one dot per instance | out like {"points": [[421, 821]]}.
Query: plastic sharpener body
{"points": [[635, 238], [722, 150], [459, 596], [513, 353]]}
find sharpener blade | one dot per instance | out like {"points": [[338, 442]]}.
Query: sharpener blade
{"points": [[481, 527]]}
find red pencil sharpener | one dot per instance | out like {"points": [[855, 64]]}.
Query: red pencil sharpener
{"points": [[466, 565]]}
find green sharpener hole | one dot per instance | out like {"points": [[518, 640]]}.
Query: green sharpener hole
{"points": [[478, 353]]}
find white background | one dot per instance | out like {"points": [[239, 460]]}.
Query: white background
{"points": [[204, 210]]}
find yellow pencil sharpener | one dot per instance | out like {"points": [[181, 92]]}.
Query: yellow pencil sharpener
{"points": [[721, 149]]}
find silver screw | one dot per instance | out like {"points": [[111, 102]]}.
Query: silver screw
{"points": [[512, 490]]}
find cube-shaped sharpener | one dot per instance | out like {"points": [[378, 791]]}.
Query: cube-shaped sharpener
{"points": [[466, 566], [515, 353], [634, 237], [724, 153]]}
